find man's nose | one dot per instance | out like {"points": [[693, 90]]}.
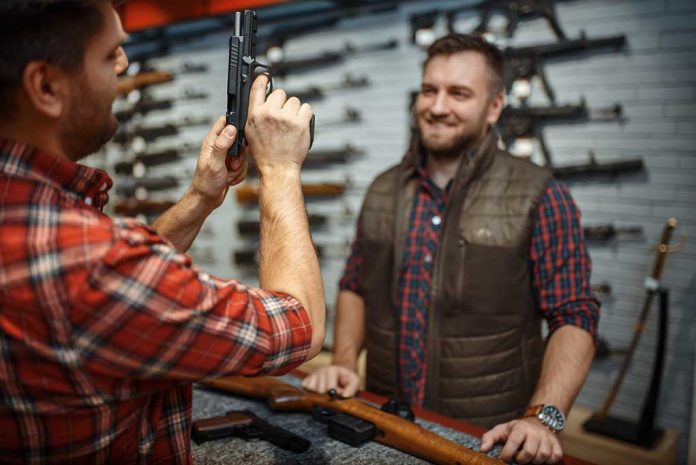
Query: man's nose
{"points": [[440, 106], [121, 61]]}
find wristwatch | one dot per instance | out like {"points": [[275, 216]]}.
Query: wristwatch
{"points": [[548, 415]]}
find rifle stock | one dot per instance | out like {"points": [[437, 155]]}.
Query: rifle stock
{"points": [[140, 80], [393, 431], [249, 194]]}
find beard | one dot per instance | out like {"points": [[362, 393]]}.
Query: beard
{"points": [[455, 146], [89, 124]]}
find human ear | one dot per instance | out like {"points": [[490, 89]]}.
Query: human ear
{"points": [[495, 107], [47, 88]]}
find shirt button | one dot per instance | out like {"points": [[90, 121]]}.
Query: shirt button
{"points": [[428, 258], [436, 220], [88, 200]]}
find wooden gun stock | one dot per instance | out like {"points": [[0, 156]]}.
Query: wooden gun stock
{"points": [[140, 80], [250, 194], [393, 431], [133, 207]]}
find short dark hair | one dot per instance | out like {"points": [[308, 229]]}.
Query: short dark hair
{"points": [[455, 43], [54, 31]]}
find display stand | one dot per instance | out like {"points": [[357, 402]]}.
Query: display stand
{"points": [[643, 433]]}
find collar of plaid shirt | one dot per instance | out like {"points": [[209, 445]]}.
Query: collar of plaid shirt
{"points": [[91, 185]]}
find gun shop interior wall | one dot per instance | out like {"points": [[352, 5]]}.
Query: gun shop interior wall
{"points": [[361, 99]]}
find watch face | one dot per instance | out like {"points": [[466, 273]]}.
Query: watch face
{"points": [[552, 417]]}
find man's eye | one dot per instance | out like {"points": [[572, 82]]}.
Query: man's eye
{"points": [[427, 91]]}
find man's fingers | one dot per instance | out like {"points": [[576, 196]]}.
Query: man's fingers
{"points": [[514, 440], [292, 105], [529, 451], [498, 433], [543, 452], [257, 95], [352, 386], [277, 98], [214, 132], [321, 383], [309, 382], [224, 141], [305, 112], [556, 452]]}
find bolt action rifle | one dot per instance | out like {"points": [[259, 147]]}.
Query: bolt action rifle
{"points": [[389, 429]]}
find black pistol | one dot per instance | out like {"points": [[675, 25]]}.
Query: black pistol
{"points": [[246, 425], [241, 73]]}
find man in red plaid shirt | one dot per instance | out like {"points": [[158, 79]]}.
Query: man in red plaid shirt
{"points": [[460, 251], [105, 323]]}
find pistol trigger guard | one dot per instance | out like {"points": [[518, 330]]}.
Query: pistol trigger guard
{"points": [[267, 68]]}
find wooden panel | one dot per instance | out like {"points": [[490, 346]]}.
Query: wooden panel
{"points": [[143, 14]]}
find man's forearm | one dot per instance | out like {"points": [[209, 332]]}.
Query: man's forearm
{"points": [[182, 222], [287, 259], [567, 361], [349, 329]]}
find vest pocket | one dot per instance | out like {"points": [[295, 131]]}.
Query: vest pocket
{"points": [[494, 292]]}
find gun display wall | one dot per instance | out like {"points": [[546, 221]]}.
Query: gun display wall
{"points": [[566, 110]]}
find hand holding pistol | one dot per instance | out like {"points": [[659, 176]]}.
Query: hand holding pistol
{"points": [[242, 70]]}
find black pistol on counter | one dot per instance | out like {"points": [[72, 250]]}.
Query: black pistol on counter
{"points": [[246, 425], [241, 73]]}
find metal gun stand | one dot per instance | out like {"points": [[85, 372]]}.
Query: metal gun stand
{"points": [[643, 433]]}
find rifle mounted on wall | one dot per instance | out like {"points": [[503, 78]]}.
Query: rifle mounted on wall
{"points": [[523, 63], [526, 122], [594, 169]]}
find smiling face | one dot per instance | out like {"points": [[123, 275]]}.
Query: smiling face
{"points": [[455, 108], [89, 122]]}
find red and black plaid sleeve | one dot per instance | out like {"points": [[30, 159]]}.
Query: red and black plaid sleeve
{"points": [[561, 265]]}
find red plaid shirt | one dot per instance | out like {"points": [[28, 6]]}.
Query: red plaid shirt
{"points": [[103, 324], [558, 260]]}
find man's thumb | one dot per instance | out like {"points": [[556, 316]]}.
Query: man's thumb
{"points": [[224, 141]]}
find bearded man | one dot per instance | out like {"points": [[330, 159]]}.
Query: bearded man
{"points": [[460, 251], [105, 323]]}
